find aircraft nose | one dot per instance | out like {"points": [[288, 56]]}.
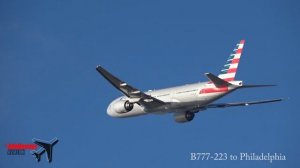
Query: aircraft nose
{"points": [[110, 112]]}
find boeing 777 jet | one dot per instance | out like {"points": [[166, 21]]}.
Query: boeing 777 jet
{"points": [[184, 101]]}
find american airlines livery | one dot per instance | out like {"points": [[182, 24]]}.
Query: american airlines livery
{"points": [[184, 101]]}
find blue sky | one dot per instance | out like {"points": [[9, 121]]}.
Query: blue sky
{"points": [[50, 88]]}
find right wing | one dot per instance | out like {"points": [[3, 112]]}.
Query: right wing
{"points": [[128, 90], [223, 105]]}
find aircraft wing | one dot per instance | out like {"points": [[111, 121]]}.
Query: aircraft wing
{"points": [[130, 91], [223, 105]]}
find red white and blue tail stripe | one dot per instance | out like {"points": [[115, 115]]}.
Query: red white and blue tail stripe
{"points": [[230, 68]]}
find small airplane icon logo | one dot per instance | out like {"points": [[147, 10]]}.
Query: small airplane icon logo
{"points": [[45, 146]]}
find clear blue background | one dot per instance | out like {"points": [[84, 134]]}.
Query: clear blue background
{"points": [[49, 86]]}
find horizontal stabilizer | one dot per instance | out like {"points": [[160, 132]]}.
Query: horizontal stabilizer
{"points": [[218, 82], [252, 86], [223, 105]]}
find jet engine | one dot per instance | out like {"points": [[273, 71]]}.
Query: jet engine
{"points": [[184, 117], [123, 106]]}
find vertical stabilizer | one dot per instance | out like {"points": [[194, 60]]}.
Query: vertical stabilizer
{"points": [[230, 68]]}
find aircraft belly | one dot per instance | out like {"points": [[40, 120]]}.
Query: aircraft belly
{"points": [[187, 101], [193, 101]]}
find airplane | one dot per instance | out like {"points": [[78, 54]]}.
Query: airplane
{"points": [[45, 146], [184, 101]]}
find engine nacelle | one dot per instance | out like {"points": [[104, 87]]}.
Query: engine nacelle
{"points": [[123, 106], [184, 117]]}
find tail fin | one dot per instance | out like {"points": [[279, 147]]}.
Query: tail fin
{"points": [[230, 68]]}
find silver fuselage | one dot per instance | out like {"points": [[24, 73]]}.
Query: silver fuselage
{"points": [[189, 97]]}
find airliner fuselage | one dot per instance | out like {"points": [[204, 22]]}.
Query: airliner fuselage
{"points": [[179, 98]]}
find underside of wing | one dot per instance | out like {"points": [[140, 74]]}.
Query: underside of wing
{"points": [[223, 105], [131, 92]]}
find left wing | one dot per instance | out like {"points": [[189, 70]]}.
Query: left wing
{"points": [[131, 92], [223, 105]]}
